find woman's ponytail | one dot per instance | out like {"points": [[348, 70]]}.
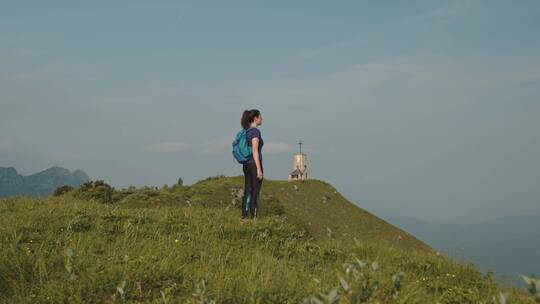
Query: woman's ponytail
{"points": [[245, 119]]}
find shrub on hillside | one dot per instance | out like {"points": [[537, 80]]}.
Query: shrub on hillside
{"points": [[62, 190], [98, 190]]}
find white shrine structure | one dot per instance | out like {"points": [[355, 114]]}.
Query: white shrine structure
{"points": [[300, 168]]}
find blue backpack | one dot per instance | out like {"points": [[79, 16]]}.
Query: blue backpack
{"points": [[241, 151]]}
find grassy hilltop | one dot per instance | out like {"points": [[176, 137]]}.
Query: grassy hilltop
{"points": [[185, 244]]}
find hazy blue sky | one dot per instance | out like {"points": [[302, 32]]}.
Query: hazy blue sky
{"points": [[426, 109]]}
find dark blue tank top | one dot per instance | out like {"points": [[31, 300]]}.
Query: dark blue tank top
{"points": [[250, 134]]}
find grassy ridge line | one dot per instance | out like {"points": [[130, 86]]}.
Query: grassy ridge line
{"points": [[317, 207], [185, 245]]}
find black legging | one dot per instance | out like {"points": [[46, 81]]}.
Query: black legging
{"points": [[252, 186]]}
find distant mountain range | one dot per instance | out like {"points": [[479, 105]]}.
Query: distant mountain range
{"points": [[39, 184], [507, 245]]}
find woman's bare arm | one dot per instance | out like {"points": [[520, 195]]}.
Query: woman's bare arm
{"points": [[255, 150]]}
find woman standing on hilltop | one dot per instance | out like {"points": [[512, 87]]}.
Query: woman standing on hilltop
{"points": [[253, 170]]}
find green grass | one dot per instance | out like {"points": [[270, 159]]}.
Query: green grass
{"points": [[185, 244], [317, 207]]}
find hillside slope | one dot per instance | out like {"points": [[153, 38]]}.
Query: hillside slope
{"points": [[313, 205], [185, 244]]}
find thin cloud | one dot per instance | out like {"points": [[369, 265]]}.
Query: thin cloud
{"points": [[6, 144], [452, 10], [216, 146], [224, 146], [169, 147], [274, 147]]}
